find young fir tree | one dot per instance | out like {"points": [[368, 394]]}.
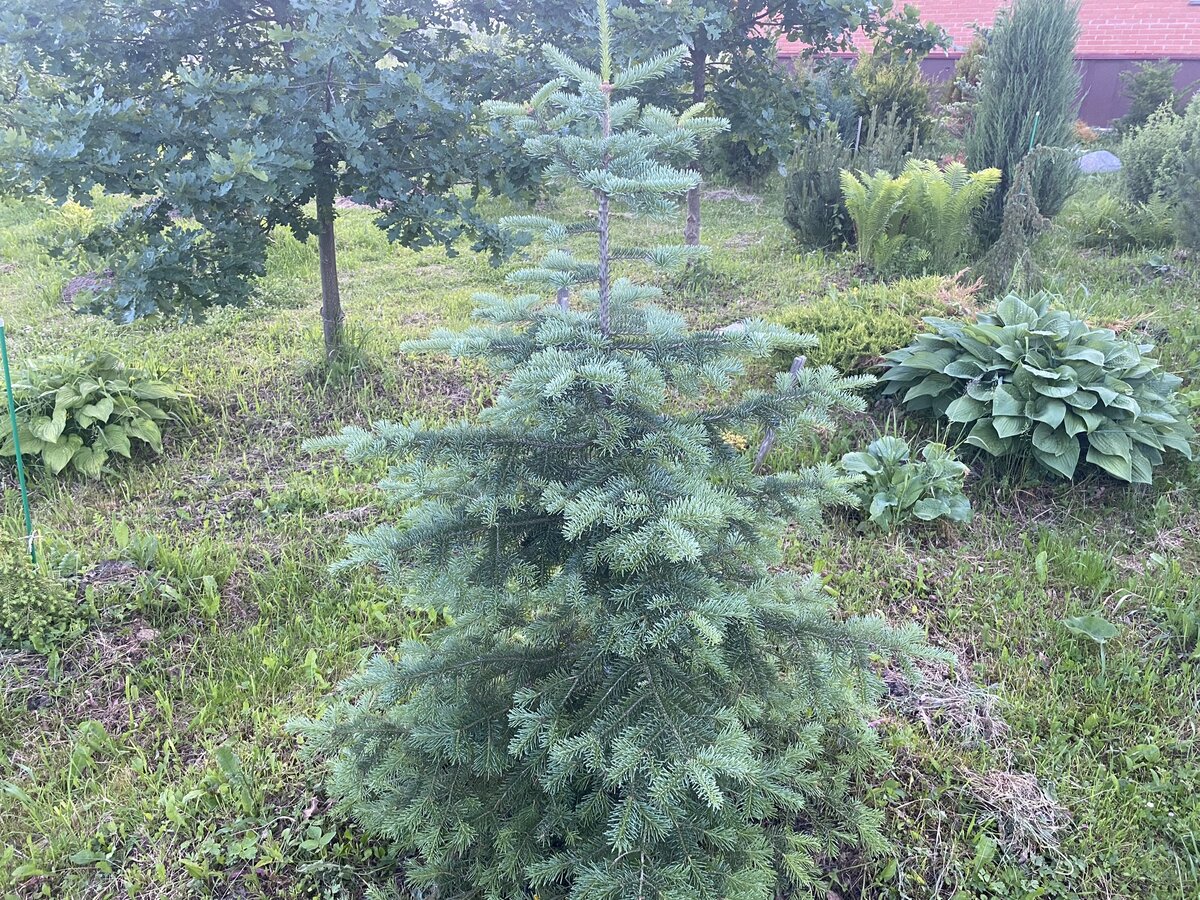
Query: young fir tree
{"points": [[630, 700]]}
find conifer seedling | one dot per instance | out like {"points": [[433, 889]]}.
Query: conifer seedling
{"points": [[631, 698]]}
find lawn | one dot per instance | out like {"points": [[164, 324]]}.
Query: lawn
{"points": [[150, 757]]}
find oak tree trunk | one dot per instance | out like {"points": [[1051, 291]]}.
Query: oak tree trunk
{"points": [[331, 297]]}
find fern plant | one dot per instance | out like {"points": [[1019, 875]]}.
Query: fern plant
{"points": [[1111, 223], [630, 700], [942, 204], [926, 207], [877, 205]]}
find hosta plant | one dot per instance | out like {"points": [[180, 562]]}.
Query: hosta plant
{"points": [[77, 411], [1028, 378], [897, 488]]}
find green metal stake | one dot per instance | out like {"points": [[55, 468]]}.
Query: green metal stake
{"points": [[12, 418], [1037, 118]]}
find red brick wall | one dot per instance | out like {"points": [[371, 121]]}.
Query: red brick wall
{"points": [[1115, 34], [1137, 29]]}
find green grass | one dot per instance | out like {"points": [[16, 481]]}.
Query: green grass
{"points": [[149, 758]]}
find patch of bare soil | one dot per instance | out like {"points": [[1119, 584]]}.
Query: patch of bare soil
{"points": [[948, 704]]}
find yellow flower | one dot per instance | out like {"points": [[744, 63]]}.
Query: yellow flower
{"points": [[735, 440]]}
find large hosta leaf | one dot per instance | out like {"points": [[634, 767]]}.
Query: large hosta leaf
{"points": [[1111, 441], [115, 440], [1091, 626], [1010, 426], [1085, 354], [1142, 472], [1053, 440], [1118, 466], [1005, 402], [154, 390], [862, 464], [930, 386], [89, 461], [146, 430], [95, 412], [49, 428], [930, 509], [1012, 310], [984, 436], [58, 456], [1064, 463], [966, 409], [1051, 412]]}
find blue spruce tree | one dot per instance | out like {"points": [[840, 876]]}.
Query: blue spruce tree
{"points": [[630, 700]]}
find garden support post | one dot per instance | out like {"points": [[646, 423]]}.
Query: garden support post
{"points": [[769, 438], [691, 229], [12, 419]]}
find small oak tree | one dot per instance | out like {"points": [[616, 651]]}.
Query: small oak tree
{"points": [[236, 114]]}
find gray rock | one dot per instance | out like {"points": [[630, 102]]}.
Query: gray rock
{"points": [[1098, 162]]}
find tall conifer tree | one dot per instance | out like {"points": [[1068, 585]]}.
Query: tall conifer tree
{"points": [[631, 701]]}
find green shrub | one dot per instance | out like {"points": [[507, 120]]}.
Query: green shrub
{"points": [[894, 88], [886, 144], [1106, 222], [1028, 379], [1150, 156], [859, 325], [813, 206], [1029, 73], [926, 210], [76, 411], [1187, 186], [968, 71], [37, 609], [766, 109], [1150, 86], [896, 489]]}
